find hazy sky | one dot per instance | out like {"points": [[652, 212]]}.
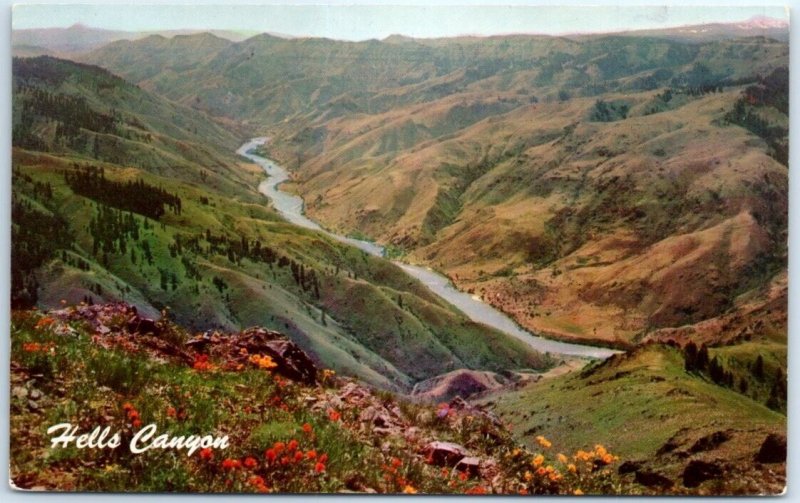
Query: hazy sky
{"points": [[362, 22]]}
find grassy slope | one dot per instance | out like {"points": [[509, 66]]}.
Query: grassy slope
{"points": [[635, 404]]}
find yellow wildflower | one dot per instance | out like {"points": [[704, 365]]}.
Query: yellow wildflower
{"points": [[578, 492], [600, 450], [528, 475], [572, 468], [543, 442], [409, 490], [562, 458], [537, 461]]}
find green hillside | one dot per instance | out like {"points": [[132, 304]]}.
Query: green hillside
{"points": [[196, 240]]}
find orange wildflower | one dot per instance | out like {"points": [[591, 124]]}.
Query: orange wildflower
{"points": [[333, 415], [409, 490], [543, 442], [476, 490], [307, 428], [537, 461], [311, 454]]}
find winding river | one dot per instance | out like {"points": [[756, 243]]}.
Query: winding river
{"points": [[291, 208]]}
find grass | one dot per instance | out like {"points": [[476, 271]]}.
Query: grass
{"points": [[118, 384], [635, 404]]}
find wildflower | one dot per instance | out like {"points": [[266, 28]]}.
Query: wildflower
{"points": [[201, 363], [307, 429], [171, 412], [298, 456], [206, 454], [137, 423], [463, 476], [528, 476], [541, 471], [516, 452], [263, 361], [543, 442], [256, 480], [607, 459], [572, 468], [409, 490], [250, 462], [445, 472], [396, 462], [285, 460], [279, 446], [231, 464], [600, 450], [577, 492], [319, 467], [312, 454], [45, 322], [563, 459], [323, 458], [262, 488], [292, 445], [333, 415], [537, 461], [270, 455], [127, 406]]}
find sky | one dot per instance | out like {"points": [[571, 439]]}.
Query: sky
{"points": [[361, 22]]}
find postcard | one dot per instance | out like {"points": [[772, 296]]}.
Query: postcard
{"points": [[481, 250]]}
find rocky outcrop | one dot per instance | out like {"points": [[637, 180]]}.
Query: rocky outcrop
{"points": [[773, 450]]}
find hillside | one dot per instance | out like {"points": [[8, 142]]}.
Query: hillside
{"points": [[293, 427], [678, 429], [581, 184], [174, 224]]}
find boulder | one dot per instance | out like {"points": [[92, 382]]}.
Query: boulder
{"points": [[292, 361], [444, 453], [773, 450], [698, 471], [710, 442], [652, 479]]}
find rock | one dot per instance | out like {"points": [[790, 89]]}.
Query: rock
{"points": [[773, 450], [469, 465], [35, 394], [19, 392], [710, 442], [142, 325], [444, 453], [698, 471], [102, 329], [653, 479], [33, 405], [292, 361], [629, 467]]}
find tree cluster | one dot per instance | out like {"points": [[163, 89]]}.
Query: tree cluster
{"points": [[136, 196]]}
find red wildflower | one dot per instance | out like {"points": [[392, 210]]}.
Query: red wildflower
{"points": [[396, 462], [231, 464], [136, 423], [206, 454], [307, 428], [250, 462], [463, 476], [133, 414], [311, 454], [270, 455], [319, 467], [171, 412], [323, 458], [279, 446], [333, 415], [285, 460], [292, 445], [476, 490], [127, 406], [256, 480], [298, 456]]}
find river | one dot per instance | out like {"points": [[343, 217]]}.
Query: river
{"points": [[291, 207]]}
